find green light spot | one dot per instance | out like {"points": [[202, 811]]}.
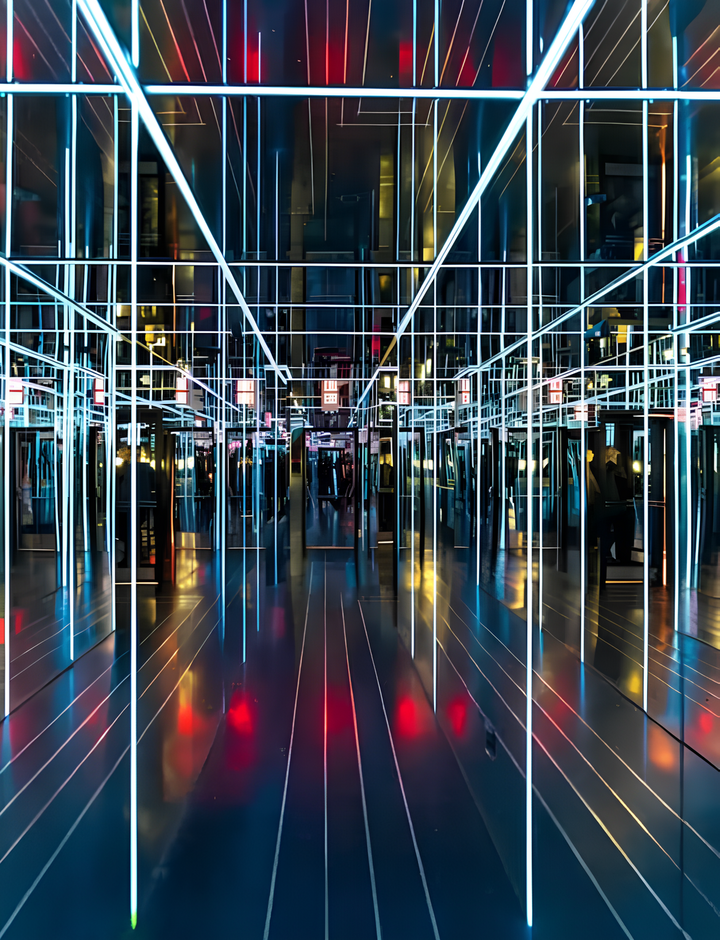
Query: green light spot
{"points": [[133, 919]]}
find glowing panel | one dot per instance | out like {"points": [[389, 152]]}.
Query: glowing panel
{"points": [[709, 384], [330, 400], [245, 392], [99, 392], [15, 392], [181, 390]]}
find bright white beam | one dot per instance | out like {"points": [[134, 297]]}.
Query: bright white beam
{"points": [[534, 92], [345, 91], [336, 91], [103, 33]]}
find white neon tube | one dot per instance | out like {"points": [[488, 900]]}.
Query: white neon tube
{"points": [[646, 388], [178, 89], [135, 32], [529, 550], [133, 521], [9, 29], [103, 32], [535, 90]]}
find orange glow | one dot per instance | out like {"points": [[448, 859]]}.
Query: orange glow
{"points": [[662, 750], [185, 720]]}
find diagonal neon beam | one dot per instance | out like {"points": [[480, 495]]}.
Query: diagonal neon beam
{"points": [[712, 225], [118, 61], [26, 275], [535, 91]]}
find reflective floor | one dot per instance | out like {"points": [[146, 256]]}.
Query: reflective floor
{"points": [[311, 790]]}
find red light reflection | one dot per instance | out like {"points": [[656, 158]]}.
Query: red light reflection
{"points": [[407, 719], [457, 712], [239, 716]]}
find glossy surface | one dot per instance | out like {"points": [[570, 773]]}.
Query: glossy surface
{"points": [[314, 789]]}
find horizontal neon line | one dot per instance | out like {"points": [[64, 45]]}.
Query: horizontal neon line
{"points": [[335, 91], [346, 91]]}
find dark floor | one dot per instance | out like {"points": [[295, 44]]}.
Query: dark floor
{"points": [[312, 790]]}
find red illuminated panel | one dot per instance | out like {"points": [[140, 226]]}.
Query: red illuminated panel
{"points": [[404, 392], [556, 392], [709, 386], [15, 392], [181, 390], [99, 392]]}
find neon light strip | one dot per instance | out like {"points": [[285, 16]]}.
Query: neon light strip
{"points": [[134, 529], [135, 28], [325, 728], [529, 498], [557, 49], [6, 419], [106, 38], [9, 29], [646, 382], [179, 89], [329, 91]]}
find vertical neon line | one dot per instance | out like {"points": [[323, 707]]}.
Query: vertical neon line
{"points": [[242, 513], [73, 42], [538, 241], [583, 456], [325, 750], [435, 361], [7, 504], [503, 402], [71, 211], [436, 48], [529, 550], [246, 164], [644, 43], [529, 37], [277, 344], [436, 461], [9, 29], [135, 28], [133, 433], [414, 52], [478, 505], [256, 352], [62, 250], [226, 386], [646, 407], [688, 395], [412, 473], [224, 43], [112, 376], [676, 346], [397, 211]]}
